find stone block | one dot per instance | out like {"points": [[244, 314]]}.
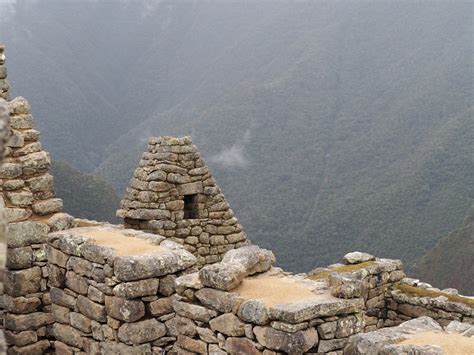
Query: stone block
{"points": [[123, 309]]}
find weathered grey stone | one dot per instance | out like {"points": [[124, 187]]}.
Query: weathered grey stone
{"points": [[254, 311], [357, 257], [17, 214], [123, 309], [19, 258], [123, 349], [91, 309], [223, 276], [80, 322], [134, 289], [152, 265], [327, 330], [48, 206], [61, 298], [22, 282], [237, 346], [21, 198], [196, 346], [60, 313], [67, 335], [80, 266], [161, 306], [76, 283], [373, 342], [21, 305], [167, 285], [305, 310], [185, 326], [291, 343], [345, 285], [22, 234], [190, 188], [10, 170], [191, 311], [326, 346], [228, 324], [19, 106], [461, 328], [60, 221], [37, 348], [21, 338], [141, 332], [207, 335], [35, 163], [289, 328], [252, 257], [221, 301], [20, 322]]}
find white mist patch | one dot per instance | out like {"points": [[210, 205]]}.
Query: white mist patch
{"points": [[7, 8], [231, 157]]}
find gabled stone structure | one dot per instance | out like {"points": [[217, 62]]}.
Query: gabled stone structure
{"points": [[172, 193]]}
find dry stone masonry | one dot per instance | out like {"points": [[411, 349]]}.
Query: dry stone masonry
{"points": [[31, 211], [173, 194], [180, 276], [4, 86], [113, 301]]}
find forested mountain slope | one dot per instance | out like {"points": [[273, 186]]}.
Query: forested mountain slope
{"points": [[331, 126], [451, 262], [84, 195]]}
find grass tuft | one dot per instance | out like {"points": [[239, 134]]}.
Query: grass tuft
{"points": [[421, 292], [344, 268]]}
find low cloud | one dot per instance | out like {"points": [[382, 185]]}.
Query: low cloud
{"points": [[234, 156]]}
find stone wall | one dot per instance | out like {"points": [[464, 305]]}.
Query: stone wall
{"points": [[113, 301], [32, 211], [363, 275], [173, 194], [4, 86], [4, 136], [217, 315], [413, 299]]}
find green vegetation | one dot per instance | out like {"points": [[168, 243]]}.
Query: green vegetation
{"points": [[350, 123], [84, 195], [451, 262], [343, 268], [421, 292]]}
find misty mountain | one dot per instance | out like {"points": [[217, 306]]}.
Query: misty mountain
{"points": [[449, 263], [84, 195], [330, 126]]}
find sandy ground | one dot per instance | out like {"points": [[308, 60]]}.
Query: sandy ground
{"points": [[452, 344], [273, 290], [123, 245]]}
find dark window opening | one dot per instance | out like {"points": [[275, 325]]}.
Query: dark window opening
{"points": [[190, 207]]}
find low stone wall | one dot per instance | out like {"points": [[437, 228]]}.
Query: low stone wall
{"points": [[412, 299], [363, 275], [216, 315], [113, 301]]}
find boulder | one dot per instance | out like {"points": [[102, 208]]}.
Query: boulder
{"points": [[357, 257]]}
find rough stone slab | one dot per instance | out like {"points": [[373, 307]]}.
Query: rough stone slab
{"points": [[141, 332], [221, 301], [123, 309], [291, 343], [22, 234], [134, 289], [20, 322], [22, 282], [305, 310]]}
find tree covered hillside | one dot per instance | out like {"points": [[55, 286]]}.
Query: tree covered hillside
{"points": [[84, 195], [331, 126], [450, 263]]}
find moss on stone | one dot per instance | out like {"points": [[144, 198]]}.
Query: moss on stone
{"points": [[343, 268], [422, 292]]}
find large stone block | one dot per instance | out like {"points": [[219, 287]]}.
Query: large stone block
{"points": [[22, 234], [123, 309], [91, 309], [291, 343], [23, 282], [134, 289], [141, 332]]}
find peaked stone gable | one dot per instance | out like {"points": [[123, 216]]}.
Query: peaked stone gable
{"points": [[172, 193]]}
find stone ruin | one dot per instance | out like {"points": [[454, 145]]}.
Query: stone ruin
{"points": [[173, 194], [180, 276]]}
